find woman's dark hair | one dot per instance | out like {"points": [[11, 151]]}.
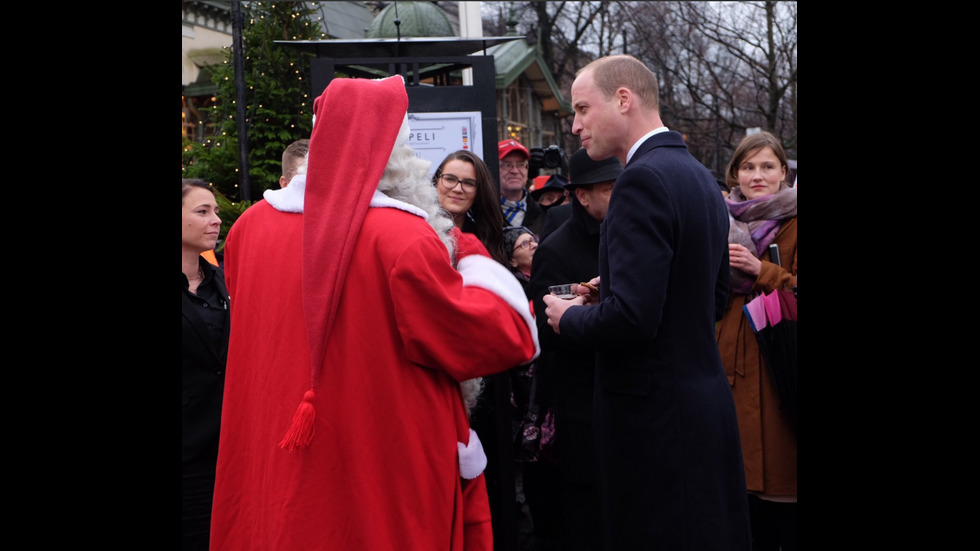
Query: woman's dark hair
{"points": [[484, 218]]}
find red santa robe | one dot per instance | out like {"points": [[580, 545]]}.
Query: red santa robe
{"points": [[382, 470]]}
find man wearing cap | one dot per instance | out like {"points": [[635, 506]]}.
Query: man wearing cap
{"points": [[365, 318], [516, 204], [566, 370]]}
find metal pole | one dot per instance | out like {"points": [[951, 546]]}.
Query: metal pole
{"points": [[236, 21], [719, 167]]}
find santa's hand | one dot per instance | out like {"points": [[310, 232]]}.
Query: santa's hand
{"points": [[472, 459]]}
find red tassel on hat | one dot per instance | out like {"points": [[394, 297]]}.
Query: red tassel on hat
{"points": [[300, 432]]}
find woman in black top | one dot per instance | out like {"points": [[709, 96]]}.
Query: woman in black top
{"points": [[204, 349]]}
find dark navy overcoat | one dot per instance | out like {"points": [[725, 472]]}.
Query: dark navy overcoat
{"points": [[670, 464]]}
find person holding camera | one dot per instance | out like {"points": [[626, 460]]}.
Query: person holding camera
{"points": [[518, 207]]}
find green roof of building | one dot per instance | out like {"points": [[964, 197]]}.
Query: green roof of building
{"points": [[345, 19], [515, 58], [417, 19], [425, 20]]}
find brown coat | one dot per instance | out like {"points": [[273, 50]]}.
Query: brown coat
{"points": [[768, 443]]}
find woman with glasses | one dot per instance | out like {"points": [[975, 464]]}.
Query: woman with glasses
{"points": [[539, 473], [520, 244], [468, 193]]}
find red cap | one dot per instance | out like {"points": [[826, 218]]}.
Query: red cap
{"points": [[509, 145]]}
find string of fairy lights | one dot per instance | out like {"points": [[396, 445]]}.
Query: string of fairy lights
{"points": [[217, 141]]}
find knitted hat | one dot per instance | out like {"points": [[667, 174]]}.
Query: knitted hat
{"points": [[357, 124], [582, 170], [511, 235]]}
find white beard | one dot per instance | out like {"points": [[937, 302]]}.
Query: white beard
{"points": [[406, 179]]}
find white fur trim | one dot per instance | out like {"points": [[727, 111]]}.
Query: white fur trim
{"points": [[382, 200], [403, 133], [472, 458], [481, 271], [288, 199]]}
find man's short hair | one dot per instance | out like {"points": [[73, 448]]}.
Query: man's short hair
{"points": [[293, 155]]}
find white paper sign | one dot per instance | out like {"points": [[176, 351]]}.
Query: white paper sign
{"points": [[435, 135]]}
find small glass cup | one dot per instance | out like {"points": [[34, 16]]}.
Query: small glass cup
{"points": [[564, 291]]}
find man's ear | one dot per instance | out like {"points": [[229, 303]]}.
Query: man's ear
{"points": [[625, 97]]}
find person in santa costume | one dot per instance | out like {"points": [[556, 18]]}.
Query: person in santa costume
{"points": [[363, 323]]}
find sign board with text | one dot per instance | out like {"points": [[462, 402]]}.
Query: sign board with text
{"points": [[434, 136]]}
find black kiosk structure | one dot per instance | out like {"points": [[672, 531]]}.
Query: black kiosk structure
{"points": [[432, 69]]}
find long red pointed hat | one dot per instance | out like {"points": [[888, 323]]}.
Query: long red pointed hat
{"points": [[356, 124]]}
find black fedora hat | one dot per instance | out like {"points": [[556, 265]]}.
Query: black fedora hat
{"points": [[582, 170]]}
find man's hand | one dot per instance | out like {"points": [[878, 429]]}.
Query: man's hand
{"points": [[555, 308], [590, 290]]}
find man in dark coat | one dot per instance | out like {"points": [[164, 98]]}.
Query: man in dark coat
{"points": [[669, 457], [565, 368], [554, 217]]}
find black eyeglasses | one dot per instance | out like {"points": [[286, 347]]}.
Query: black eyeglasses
{"points": [[449, 181]]}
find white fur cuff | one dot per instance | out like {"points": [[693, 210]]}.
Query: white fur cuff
{"points": [[472, 459]]}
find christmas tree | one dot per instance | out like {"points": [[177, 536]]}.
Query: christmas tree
{"points": [[278, 108]]}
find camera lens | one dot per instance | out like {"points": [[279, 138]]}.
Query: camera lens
{"points": [[552, 157]]}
